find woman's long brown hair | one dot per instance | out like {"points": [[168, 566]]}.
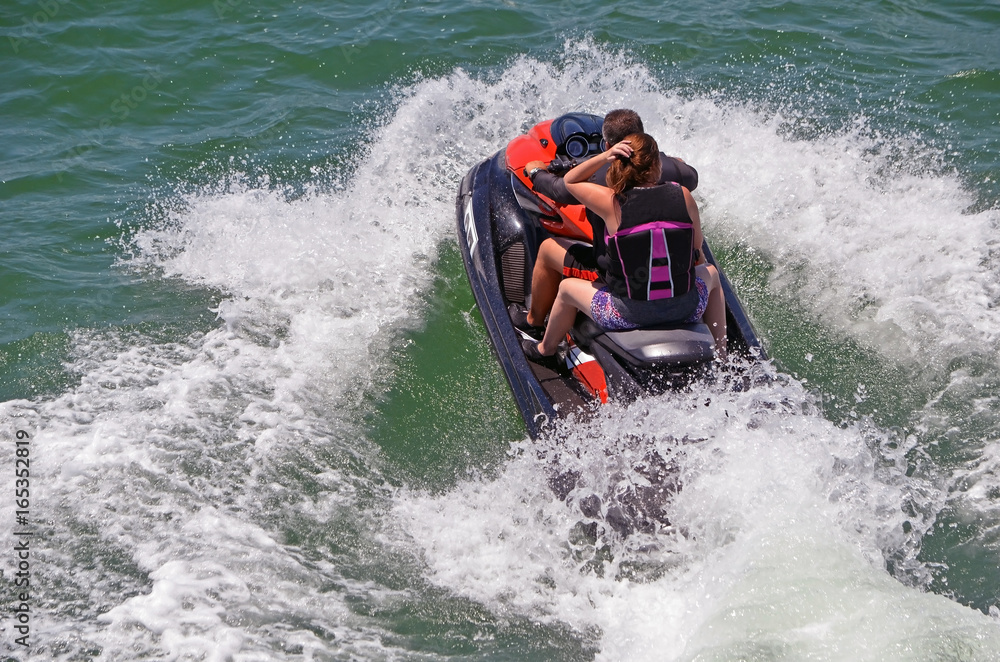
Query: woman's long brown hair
{"points": [[641, 168]]}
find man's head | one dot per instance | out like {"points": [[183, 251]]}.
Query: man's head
{"points": [[620, 123]]}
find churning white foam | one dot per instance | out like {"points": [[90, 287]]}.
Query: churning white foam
{"points": [[176, 468], [777, 541]]}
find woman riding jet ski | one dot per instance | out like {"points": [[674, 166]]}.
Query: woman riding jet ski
{"points": [[502, 221]]}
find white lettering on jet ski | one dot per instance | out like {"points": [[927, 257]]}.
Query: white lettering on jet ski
{"points": [[470, 228]]}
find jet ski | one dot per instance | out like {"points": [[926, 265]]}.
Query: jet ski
{"points": [[502, 221]]}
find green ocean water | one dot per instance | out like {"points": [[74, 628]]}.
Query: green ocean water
{"points": [[265, 419]]}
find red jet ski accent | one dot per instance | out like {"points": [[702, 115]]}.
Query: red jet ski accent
{"points": [[537, 145]]}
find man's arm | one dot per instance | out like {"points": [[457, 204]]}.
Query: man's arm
{"points": [[553, 187], [675, 170]]}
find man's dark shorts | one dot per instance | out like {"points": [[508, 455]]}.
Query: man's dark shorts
{"points": [[579, 262]]}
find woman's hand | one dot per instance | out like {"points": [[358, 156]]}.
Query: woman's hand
{"points": [[583, 171], [621, 150]]}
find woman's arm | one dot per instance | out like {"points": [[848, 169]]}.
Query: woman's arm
{"points": [[697, 238], [584, 171], [597, 198]]}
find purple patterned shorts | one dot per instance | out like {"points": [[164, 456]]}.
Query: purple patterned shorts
{"points": [[607, 315]]}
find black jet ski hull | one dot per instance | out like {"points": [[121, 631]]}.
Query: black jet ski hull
{"points": [[478, 201]]}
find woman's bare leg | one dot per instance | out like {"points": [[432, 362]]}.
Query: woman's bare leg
{"points": [[715, 312], [574, 294]]}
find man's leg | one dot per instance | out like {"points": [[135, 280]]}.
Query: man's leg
{"points": [[545, 278], [558, 258]]}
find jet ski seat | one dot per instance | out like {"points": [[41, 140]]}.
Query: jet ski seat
{"points": [[675, 345]]}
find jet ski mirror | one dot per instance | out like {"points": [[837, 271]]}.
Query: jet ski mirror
{"points": [[577, 146]]}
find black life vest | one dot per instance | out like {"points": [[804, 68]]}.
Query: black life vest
{"points": [[651, 256]]}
